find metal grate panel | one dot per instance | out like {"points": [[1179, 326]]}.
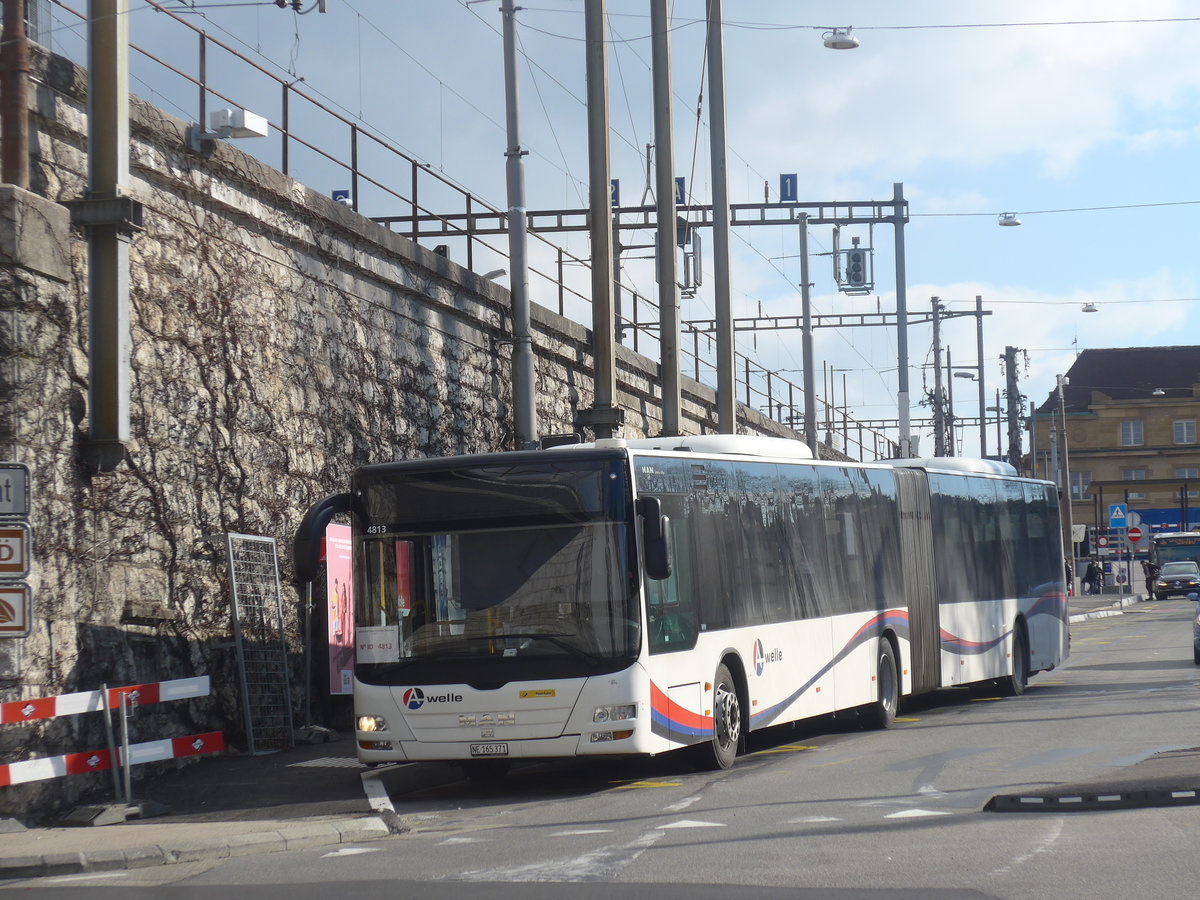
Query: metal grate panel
{"points": [[261, 644]]}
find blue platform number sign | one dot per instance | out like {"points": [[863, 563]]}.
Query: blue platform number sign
{"points": [[1116, 515], [342, 197], [787, 188], [680, 191], [614, 190]]}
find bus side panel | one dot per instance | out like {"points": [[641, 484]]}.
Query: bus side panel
{"points": [[919, 584]]}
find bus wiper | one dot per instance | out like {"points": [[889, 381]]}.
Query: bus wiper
{"points": [[552, 637]]}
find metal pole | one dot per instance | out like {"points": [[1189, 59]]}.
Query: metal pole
{"points": [[1068, 511], [664, 186], [524, 425], [113, 762], [898, 220], [726, 404], [126, 766], [950, 448], [14, 104], [810, 391], [599, 205], [979, 357], [939, 415], [108, 243]]}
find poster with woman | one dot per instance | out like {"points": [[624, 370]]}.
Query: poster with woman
{"points": [[339, 597]]}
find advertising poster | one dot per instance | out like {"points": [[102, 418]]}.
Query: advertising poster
{"points": [[339, 596]]}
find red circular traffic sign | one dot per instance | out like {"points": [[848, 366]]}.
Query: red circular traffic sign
{"points": [[1134, 534], [1102, 541]]}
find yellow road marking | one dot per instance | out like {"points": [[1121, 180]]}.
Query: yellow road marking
{"points": [[636, 785], [985, 699], [904, 719], [791, 748]]}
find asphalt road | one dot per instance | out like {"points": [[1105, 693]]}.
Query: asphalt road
{"points": [[826, 809]]}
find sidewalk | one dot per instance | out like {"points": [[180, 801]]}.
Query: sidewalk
{"points": [[1098, 606], [217, 808]]}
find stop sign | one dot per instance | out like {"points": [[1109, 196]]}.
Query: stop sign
{"points": [[1135, 535]]}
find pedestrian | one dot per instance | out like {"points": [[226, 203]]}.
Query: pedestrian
{"points": [[1092, 577], [1150, 570]]}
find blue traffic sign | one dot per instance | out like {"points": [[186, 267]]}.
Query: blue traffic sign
{"points": [[1116, 515], [787, 188], [614, 190], [680, 190]]}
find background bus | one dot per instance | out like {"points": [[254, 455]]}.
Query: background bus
{"points": [[1173, 546], [643, 596]]}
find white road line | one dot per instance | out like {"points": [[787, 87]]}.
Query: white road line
{"points": [[683, 804], [692, 823], [915, 814], [350, 851], [602, 864], [377, 794], [576, 831], [1042, 846]]}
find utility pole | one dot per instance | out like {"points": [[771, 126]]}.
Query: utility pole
{"points": [[603, 416], [525, 424], [726, 403], [1013, 406], [664, 184], [939, 418]]}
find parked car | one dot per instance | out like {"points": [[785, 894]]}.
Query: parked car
{"points": [[1177, 579]]}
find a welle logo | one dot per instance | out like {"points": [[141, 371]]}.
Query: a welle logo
{"points": [[414, 698], [761, 657]]}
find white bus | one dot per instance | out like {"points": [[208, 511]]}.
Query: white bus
{"points": [[637, 597]]}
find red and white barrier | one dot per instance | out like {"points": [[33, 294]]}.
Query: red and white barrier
{"points": [[100, 760], [94, 701]]}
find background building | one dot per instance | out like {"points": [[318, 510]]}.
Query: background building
{"points": [[1130, 421]]}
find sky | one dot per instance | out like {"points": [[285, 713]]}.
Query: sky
{"points": [[1083, 118]]}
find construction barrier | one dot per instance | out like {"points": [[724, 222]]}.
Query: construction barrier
{"points": [[101, 760], [94, 701], [126, 700]]}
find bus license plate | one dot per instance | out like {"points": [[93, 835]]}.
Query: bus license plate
{"points": [[489, 749]]}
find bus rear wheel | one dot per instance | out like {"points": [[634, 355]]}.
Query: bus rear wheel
{"points": [[882, 713], [727, 719], [1014, 685]]}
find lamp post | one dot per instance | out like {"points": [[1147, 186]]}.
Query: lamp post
{"points": [[1067, 517]]}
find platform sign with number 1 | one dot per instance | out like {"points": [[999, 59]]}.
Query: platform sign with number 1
{"points": [[787, 188]]}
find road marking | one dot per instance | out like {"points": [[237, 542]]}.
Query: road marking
{"points": [[350, 851], [65, 879], [637, 785], [576, 831], [692, 823], [463, 840], [812, 820], [915, 814], [789, 748], [1042, 846], [602, 864], [377, 794], [683, 804], [905, 719], [987, 699]]}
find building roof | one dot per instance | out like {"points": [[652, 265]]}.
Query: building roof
{"points": [[1127, 373]]}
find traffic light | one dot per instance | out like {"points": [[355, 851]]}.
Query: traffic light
{"points": [[856, 267]]}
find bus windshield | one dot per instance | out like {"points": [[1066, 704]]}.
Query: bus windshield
{"points": [[496, 564]]}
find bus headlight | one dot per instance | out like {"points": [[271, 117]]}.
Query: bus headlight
{"points": [[372, 723], [615, 713]]}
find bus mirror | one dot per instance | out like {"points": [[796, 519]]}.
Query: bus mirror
{"points": [[656, 538], [306, 545]]}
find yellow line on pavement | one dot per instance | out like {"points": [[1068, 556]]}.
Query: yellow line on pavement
{"points": [[637, 785], [904, 719], [790, 748]]}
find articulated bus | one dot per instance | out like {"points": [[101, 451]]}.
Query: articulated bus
{"points": [[642, 596]]}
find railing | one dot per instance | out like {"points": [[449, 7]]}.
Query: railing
{"points": [[349, 150]]}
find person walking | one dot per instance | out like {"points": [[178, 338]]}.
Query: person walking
{"points": [[1093, 578]]}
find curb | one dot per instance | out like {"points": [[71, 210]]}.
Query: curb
{"points": [[1081, 802], [302, 836]]}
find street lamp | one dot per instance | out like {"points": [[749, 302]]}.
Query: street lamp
{"points": [[1068, 518], [1008, 220], [840, 38]]}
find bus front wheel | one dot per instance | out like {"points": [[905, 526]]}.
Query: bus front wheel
{"points": [[727, 719], [882, 713]]}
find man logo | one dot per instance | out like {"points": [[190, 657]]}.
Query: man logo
{"points": [[414, 698]]}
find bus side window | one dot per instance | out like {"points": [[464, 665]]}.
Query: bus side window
{"points": [[670, 604]]}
